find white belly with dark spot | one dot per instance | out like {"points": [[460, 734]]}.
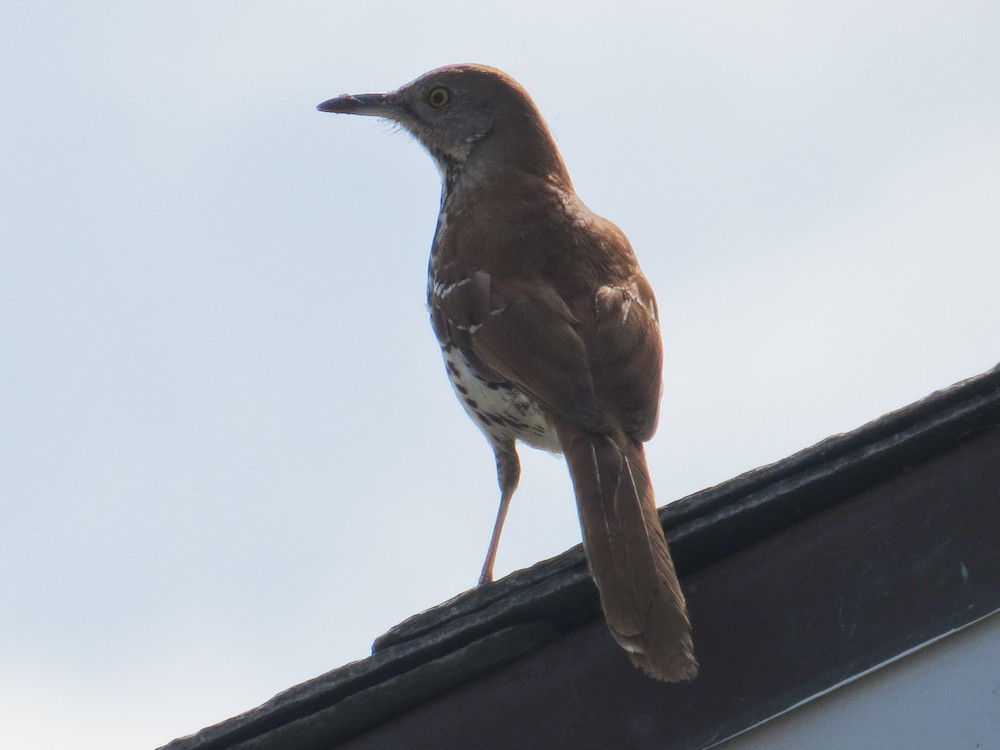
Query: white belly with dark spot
{"points": [[503, 412]]}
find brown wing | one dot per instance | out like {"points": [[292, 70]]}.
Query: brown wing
{"points": [[601, 359], [627, 355], [522, 333]]}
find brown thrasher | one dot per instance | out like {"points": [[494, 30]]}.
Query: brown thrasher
{"points": [[549, 333]]}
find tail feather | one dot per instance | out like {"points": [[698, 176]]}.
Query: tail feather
{"points": [[627, 552]]}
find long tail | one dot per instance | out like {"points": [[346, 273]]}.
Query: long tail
{"points": [[628, 555]]}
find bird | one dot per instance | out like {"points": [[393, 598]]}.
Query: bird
{"points": [[550, 336]]}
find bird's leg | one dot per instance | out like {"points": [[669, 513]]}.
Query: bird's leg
{"points": [[508, 473]]}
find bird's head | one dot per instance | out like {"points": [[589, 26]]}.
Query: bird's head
{"points": [[463, 113]]}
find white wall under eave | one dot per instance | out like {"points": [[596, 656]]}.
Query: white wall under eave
{"points": [[943, 697]]}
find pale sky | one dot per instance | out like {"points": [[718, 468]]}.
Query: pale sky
{"points": [[231, 457]]}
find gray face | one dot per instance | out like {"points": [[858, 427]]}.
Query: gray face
{"points": [[447, 110], [445, 113]]}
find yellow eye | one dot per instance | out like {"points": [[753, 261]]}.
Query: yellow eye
{"points": [[438, 97]]}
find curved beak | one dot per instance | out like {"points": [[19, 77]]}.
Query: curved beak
{"points": [[374, 105]]}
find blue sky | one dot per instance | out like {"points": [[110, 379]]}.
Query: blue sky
{"points": [[225, 422]]}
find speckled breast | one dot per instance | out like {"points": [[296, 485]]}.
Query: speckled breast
{"points": [[503, 412]]}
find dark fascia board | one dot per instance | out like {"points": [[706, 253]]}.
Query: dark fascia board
{"points": [[486, 627]]}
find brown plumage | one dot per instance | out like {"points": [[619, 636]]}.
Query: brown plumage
{"points": [[550, 335]]}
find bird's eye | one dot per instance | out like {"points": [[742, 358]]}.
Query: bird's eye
{"points": [[438, 97]]}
